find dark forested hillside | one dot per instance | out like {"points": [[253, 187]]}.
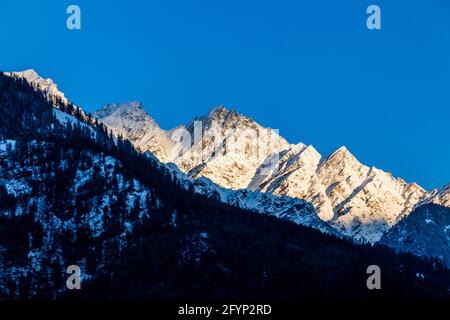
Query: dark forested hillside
{"points": [[71, 194], [424, 233]]}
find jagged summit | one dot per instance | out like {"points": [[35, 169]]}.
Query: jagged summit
{"points": [[218, 111], [341, 150], [226, 118], [128, 115], [134, 108], [29, 73], [341, 154], [440, 196], [46, 85], [360, 201], [131, 121]]}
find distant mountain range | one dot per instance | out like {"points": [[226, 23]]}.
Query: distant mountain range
{"points": [[347, 198]]}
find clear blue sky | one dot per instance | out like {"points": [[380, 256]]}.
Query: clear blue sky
{"points": [[310, 68]]}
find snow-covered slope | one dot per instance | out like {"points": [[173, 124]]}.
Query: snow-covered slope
{"points": [[425, 232], [47, 86], [65, 118], [361, 202], [223, 145], [227, 148], [130, 121], [222, 176], [61, 200], [52, 93], [235, 152], [71, 198], [440, 196], [293, 209]]}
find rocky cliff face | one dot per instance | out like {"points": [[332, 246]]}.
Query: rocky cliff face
{"points": [[47, 86], [361, 202], [440, 196], [130, 121], [235, 152]]}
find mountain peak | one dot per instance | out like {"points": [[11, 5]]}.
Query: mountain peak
{"points": [[32, 76], [121, 109], [46, 85], [342, 154], [440, 196], [220, 112], [28, 73], [342, 150], [218, 109]]}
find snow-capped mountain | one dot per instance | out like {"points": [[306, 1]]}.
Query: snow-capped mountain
{"points": [[359, 201], [440, 196], [51, 92], [292, 209], [219, 145], [130, 121], [47, 86], [226, 147], [425, 231], [70, 198]]}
